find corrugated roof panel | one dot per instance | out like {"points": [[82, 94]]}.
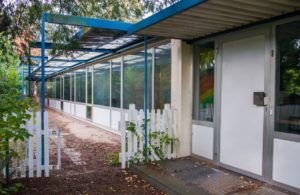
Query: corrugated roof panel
{"points": [[214, 16]]}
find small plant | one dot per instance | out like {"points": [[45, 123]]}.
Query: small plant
{"points": [[158, 140], [10, 189], [113, 159]]}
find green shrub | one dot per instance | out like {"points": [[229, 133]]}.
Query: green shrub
{"points": [[13, 109]]}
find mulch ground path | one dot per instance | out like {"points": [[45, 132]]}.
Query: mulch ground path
{"points": [[93, 174]]}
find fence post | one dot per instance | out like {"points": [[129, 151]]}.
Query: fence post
{"points": [[30, 145], [130, 134], [58, 145], [123, 140], [38, 144]]}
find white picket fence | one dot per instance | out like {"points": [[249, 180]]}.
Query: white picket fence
{"points": [[29, 160], [158, 121]]}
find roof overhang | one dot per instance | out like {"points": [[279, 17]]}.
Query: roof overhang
{"points": [[193, 19]]}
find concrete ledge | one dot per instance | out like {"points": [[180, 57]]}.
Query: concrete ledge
{"points": [[165, 182]]}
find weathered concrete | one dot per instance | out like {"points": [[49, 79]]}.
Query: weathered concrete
{"points": [[190, 176], [181, 93]]}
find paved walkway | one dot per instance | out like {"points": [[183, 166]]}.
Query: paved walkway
{"points": [[191, 176]]}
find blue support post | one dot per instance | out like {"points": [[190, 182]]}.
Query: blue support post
{"points": [[145, 94], [43, 84], [23, 82], [29, 72]]}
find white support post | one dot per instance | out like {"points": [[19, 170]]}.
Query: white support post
{"points": [[30, 145], [139, 123], [38, 144], [46, 144], [58, 146], [122, 119]]}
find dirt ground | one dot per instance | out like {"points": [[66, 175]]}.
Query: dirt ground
{"points": [[85, 169]]}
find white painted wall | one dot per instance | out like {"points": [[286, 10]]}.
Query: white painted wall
{"points": [[57, 104], [243, 65], [52, 103], [181, 93], [286, 162], [80, 110], [115, 118], [203, 141], [67, 107], [101, 116], [72, 108]]}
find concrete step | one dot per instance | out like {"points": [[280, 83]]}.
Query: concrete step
{"points": [[166, 182]]}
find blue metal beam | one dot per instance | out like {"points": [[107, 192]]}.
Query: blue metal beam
{"points": [[51, 46], [36, 58], [29, 73], [55, 60], [89, 22], [57, 66], [48, 71], [63, 60], [164, 14]]}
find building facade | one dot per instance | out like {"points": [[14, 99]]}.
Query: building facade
{"points": [[237, 95]]}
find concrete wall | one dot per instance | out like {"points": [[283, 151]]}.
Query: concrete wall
{"points": [[181, 93]]}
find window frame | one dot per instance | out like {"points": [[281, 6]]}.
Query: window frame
{"points": [[278, 134], [76, 87], [93, 80], [196, 83]]}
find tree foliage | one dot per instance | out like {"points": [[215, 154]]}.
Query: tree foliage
{"points": [[22, 18], [13, 109]]}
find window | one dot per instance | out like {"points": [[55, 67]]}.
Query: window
{"points": [[288, 78], [89, 84], [67, 83], [116, 83], [57, 83], [52, 88], [204, 82], [162, 76], [47, 88], [80, 85], [102, 83], [61, 87], [72, 95], [133, 86]]}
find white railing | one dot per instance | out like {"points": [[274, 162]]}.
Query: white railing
{"points": [[161, 136], [28, 163]]}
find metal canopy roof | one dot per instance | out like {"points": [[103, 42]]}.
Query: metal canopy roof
{"points": [[186, 19], [194, 19], [94, 43]]}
